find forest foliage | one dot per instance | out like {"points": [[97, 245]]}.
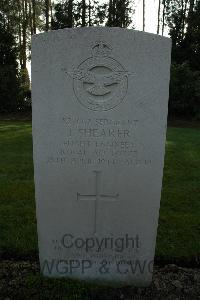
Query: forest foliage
{"points": [[20, 19]]}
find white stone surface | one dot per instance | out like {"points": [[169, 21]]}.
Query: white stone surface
{"points": [[100, 98]]}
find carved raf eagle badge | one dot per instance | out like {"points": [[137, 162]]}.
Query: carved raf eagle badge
{"points": [[100, 82]]}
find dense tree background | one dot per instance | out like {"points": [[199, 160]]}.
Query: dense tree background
{"points": [[90, 13], [183, 19], [20, 19], [9, 83]]}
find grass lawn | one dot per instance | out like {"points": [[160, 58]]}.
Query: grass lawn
{"points": [[179, 224]]}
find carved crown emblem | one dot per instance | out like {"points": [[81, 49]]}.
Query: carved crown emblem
{"points": [[101, 49]]}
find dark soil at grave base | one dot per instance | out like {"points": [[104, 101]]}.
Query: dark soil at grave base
{"points": [[21, 280]]}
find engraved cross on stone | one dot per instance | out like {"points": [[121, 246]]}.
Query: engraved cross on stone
{"points": [[97, 197]]}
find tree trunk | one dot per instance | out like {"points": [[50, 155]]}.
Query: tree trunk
{"points": [[20, 39], [110, 15], [143, 16], [114, 12], [183, 12], [30, 17], [190, 14], [89, 8], [51, 9], [47, 6], [184, 17], [158, 27], [24, 30], [70, 13], [34, 16], [163, 17], [83, 14]]}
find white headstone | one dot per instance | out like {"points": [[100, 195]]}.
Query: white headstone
{"points": [[100, 98]]}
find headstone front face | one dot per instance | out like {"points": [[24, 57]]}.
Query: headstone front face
{"points": [[100, 98]]}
